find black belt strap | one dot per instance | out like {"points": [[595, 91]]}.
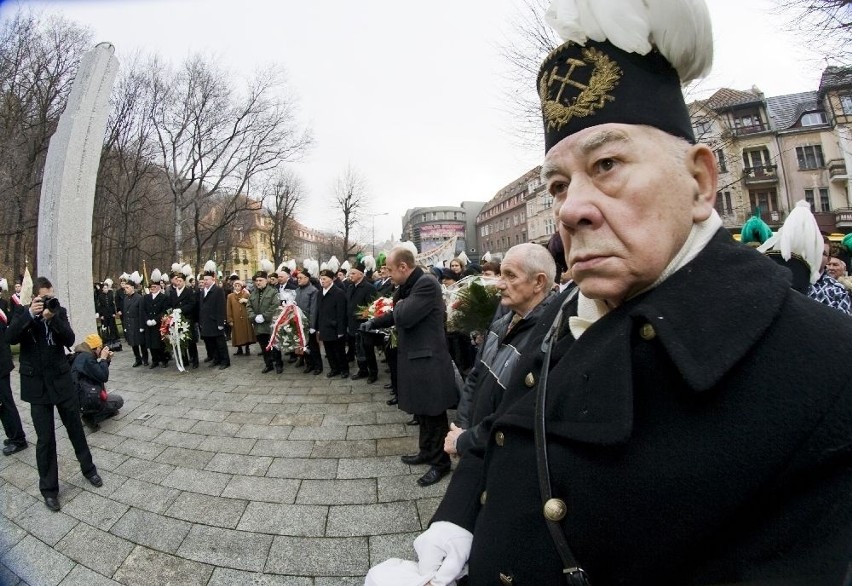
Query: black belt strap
{"points": [[574, 574]]}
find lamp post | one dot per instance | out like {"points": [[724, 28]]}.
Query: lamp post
{"points": [[373, 237]]}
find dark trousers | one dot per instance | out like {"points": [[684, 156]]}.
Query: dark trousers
{"points": [[159, 356], [191, 351], [48, 468], [314, 357], [390, 354], [365, 353], [217, 348], [107, 409], [270, 357], [109, 329], [9, 415], [335, 352], [433, 430], [350, 348], [141, 353]]}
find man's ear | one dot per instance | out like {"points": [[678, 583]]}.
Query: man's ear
{"points": [[701, 164]]}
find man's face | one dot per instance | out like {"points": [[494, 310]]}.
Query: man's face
{"points": [[208, 281], [18, 288], [260, 282], [517, 289], [627, 200], [397, 271], [155, 287], [325, 281], [282, 279], [835, 267], [128, 289], [178, 282], [303, 280], [341, 275], [383, 272], [356, 276]]}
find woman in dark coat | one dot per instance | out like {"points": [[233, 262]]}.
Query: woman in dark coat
{"points": [[133, 324]]}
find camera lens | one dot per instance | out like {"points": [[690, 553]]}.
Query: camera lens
{"points": [[51, 304]]}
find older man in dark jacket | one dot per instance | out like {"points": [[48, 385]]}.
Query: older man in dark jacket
{"points": [[331, 324], [43, 331], [426, 378], [359, 294], [186, 300], [212, 318], [306, 299]]}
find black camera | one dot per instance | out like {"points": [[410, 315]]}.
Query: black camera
{"points": [[50, 303]]}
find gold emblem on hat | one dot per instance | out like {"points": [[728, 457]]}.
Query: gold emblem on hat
{"points": [[592, 96]]}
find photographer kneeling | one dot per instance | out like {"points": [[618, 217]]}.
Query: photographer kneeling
{"points": [[90, 371]]}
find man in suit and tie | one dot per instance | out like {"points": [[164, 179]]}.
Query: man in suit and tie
{"points": [[184, 298], [212, 317]]}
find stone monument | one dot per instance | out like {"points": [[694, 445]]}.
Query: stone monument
{"points": [[68, 188]]}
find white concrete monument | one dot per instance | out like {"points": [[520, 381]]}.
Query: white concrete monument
{"points": [[68, 188]]}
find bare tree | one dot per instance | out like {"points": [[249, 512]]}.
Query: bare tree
{"points": [[350, 197], [821, 23], [281, 198], [212, 141]]}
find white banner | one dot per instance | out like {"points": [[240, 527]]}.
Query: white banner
{"points": [[438, 256]]}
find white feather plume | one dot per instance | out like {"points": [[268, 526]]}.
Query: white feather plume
{"points": [[4, 284], [108, 282], [679, 29], [266, 265], [333, 264], [291, 264], [135, 278], [410, 246], [156, 275], [799, 235], [280, 268], [176, 267], [324, 266], [369, 263], [186, 270], [123, 277], [345, 266], [464, 258], [311, 266], [27, 287], [210, 265], [486, 257]]}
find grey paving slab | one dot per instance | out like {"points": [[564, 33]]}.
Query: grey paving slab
{"points": [[146, 471], [228, 577], [140, 432], [319, 556], [8, 578], [216, 428], [318, 433], [405, 488], [371, 467], [179, 439], [10, 534], [145, 495], [365, 418], [47, 525], [106, 459], [36, 563], [298, 419], [338, 581], [144, 567], [357, 432], [241, 417], [207, 510], [185, 457], [396, 545], [239, 464], [151, 530], [396, 446], [231, 549], [205, 415], [19, 474], [13, 500], [343, 448], [302, 468], [426, 509], [283, 448], [200, 481], [270, 490], [381, 518], [172, 422], [83, 576], [97, 550], [227, 445], [337, 492], [144, 450], [277, 519]]}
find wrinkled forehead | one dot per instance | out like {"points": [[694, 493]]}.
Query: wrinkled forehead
{"points": [[585, 143]]}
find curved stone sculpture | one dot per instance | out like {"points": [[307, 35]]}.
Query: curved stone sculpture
{"points": [[68, 188]]}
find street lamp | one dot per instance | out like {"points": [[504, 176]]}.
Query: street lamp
{"points": [[373, 237]]}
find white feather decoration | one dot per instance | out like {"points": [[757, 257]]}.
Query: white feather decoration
{"points": [[175, 267], [135, 278], [4, 284], [123, 277], [410, 246], [311, 266], [799, 235], [27, 286], [464, 258], [156, 275], [210, 265], [369, 263], [333, 264], [345, 266], [108, 282], [324, 266], [280, 268], [486, 257], [291, 264], [679, 29], [186, 270], [266, 265]]}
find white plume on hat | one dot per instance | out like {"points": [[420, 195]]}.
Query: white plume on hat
{"points": [[186, 270], [123, 277], [464, 258], [135, 277], [291, 264], [345, 266], [108, 282], [176, 267], [311, 266], [486, 257], [27, 286], [799, 235], [266, 265], [324, 266], [280, 268], [210, 266], [410, 246], [369, 263], [4, 284], [156, 275], [679, 29], [333, 264]]}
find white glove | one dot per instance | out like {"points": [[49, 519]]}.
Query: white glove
{"points": [[312, 331], [221, 328], [151, 322], [442, 552], [141, 329], [258, 319]]}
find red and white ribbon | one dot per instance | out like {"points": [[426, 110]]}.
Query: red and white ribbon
{"points": [[289, 311]]}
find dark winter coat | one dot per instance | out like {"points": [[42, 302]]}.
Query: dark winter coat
{"points": [[187, 302], [105, 303], [45, 372], [331, 314], [357, 296], [425, 376], [212, 313], [698, 435], [154, 308], [132, 320], [6, 364], [306, 299]]}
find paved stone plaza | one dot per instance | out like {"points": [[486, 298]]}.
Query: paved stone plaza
{"points": [[222, 477]]}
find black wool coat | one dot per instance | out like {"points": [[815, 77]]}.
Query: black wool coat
{"points": [[425, 376], [331, 314], [212, 312], [187, 302], [45, 371], [6, 363], [697, 434], [132, 320], [357, 296], [153, 308]]}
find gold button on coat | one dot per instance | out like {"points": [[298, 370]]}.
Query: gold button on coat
{"points": [[555, 509], [506, 580], [499, 438], [483, 497], [647, 332], [529, 380]]}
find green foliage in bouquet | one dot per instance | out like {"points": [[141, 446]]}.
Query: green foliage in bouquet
{"points": [[473, 308]]}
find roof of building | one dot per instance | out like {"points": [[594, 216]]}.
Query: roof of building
{"points": [[834, 77], [785, 111], [726, 97]]}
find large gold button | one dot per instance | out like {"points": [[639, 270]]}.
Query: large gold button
{"points": [[529, 380], [647, 332], [555, 509], [506, 579], [483, 497], [499, 438]]}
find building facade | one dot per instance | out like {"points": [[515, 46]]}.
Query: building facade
{"points": [[429, 228], [502, 222]]}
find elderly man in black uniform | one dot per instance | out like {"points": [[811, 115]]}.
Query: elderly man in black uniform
{"points": [[43, 331], [426, 379], [186, 299], [212, 317], [361, 293], [680, 424], [154, 306]]}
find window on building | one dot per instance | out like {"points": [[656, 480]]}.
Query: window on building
{"points": [[723, 203], [757, 159], [702, 128], [523, 217], [515, 220], [821, 205], [846, 104], [810, 157], [767, 199], [748, 120], [813, 119], [720, 160]]}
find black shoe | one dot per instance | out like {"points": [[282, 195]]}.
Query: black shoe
{"points": [[433, 475], [413, 421], [413, 459], [279, 369], [266, 369], [317, 371], [7, 441], [11, 448], [248, 351], [194, 365], [332, 373], [392, 401], [52, 503], [208, 359], [359, 375], [388, 386], [213, 364], [95, 480], [224, 366], [137, 363], [344, 374], [144, 363], [90, 423], [239, 352], [154, 365], [308, 369], [372, 378]]}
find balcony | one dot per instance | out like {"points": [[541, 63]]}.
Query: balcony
{"points": [[762, 175], [837, 171], [843, 217], [746, 130]]}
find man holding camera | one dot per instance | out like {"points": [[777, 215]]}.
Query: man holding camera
{"points": [[43, 332]]}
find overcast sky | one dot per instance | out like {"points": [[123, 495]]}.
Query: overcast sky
{"points": [[410, 94]]}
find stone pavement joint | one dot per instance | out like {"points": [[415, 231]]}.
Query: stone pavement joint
{"points": [[221, 477]]}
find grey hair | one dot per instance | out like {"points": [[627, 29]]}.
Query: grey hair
{"points": [[535, 259]]}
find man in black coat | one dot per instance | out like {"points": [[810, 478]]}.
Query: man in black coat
{"points": [[16, 439], [331, 324], [43, 332], [154, 306], [212, 317], [426, 379], [360, 294], [680, 423], [185, 298]]}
